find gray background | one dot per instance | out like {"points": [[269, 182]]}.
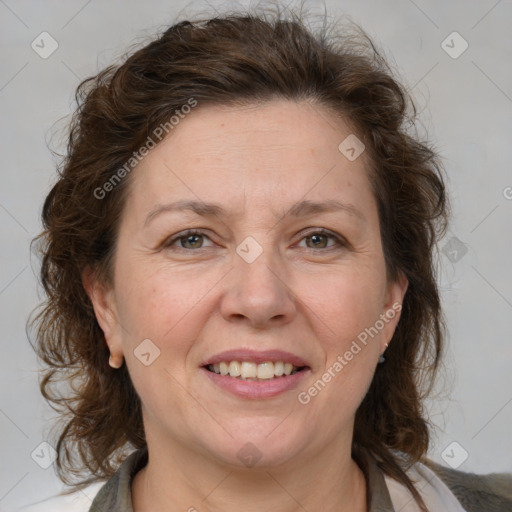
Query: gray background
{"points": [[466, 107]]}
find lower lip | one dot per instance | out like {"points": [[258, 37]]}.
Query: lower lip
{"points": [[256, 389]]}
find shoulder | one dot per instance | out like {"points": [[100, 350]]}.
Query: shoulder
{"points": [[491, 492], [79, 501]]}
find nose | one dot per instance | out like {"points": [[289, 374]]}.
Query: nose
{"points": [[259, 293]]}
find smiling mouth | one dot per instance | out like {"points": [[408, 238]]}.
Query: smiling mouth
{"points": [[246, 370]]}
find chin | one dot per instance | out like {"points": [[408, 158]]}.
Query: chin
{"points": [[257, 443]]}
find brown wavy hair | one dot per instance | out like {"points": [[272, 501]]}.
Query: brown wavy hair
{"points": [[242, 58]]}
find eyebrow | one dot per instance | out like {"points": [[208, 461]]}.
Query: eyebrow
{"points": [[299, 209]]}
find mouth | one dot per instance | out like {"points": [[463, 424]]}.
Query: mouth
{"points": [[252, 371], [256, 375]]}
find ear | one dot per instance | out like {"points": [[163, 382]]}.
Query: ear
{"points": [[394, 299], [103, 302]]}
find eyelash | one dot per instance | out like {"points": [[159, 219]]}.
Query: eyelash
{"points": [[194, 232]]}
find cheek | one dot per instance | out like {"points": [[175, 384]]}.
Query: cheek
{"points": [[344, 316], [346, 307], [155, 300], [344, 303], [168, 308]]}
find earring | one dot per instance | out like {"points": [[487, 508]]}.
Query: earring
{"points": [[113, 364], [382, 359]]}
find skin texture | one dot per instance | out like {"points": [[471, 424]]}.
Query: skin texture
{"points": [[307, 295]]}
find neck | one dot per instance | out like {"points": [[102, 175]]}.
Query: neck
{"points": [[178, 480]]}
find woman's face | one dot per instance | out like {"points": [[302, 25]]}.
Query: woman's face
{"points": [[260, 281]]}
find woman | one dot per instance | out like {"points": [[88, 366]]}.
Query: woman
{"points": [[238, 256]]}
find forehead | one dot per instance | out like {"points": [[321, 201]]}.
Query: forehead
{"points": [[266, 154]]}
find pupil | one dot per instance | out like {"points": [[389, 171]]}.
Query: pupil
{"points": [[190, 238], [317, 237]]}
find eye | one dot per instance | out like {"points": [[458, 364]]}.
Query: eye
{"points": [[190, 239], [320, 239], [193, 239]]}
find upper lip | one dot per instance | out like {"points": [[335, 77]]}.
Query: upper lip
{"points": [[256, 356]]}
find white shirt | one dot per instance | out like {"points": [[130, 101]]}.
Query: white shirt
{"points": [[435, 493]]}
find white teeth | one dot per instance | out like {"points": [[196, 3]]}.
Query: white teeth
{"points": [[278, 368], [288, 367], [266, 371], [235, 369], [249, 370]]}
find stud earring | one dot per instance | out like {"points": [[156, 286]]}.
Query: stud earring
{"points": [[382, 359], [113, 364]]}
